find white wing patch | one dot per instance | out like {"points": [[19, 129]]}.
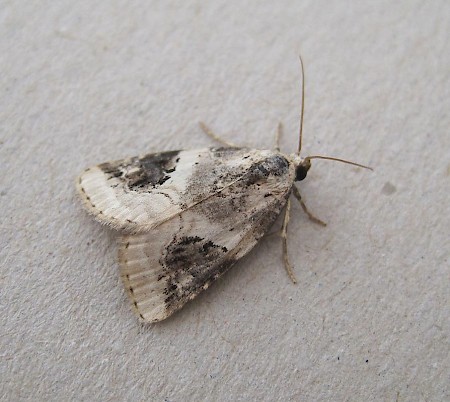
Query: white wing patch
{"points": [[168, 266], [138, 194]]}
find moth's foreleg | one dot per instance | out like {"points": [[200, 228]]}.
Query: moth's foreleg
{"points": [[310, 215], [283, 234]]}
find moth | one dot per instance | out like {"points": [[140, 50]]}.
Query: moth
{"points": [[185, 217]]}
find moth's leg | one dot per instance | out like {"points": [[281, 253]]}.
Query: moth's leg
{"points": [[310, 215], [278, 136], [210, 134], [287, 264]]}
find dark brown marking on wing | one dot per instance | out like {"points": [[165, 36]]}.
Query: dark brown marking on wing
{"points": [[190, 266], [143, 173]]}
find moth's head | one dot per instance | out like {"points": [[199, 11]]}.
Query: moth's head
{"points": [[301, 170]]}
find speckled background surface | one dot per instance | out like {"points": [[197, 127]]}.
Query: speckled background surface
{"points": [[82, 83]]}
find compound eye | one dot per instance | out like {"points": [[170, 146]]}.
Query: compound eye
{"points": [[301, 172]]}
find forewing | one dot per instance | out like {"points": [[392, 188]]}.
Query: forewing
{"points": [[168, 266], [138, 194]]}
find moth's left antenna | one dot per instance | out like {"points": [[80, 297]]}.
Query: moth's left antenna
{"points": [[302, 107]]}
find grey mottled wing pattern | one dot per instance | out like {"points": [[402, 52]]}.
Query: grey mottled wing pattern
{"points": [[168, 266]]}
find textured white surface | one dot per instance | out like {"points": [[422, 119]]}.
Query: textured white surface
{"points": [[84, 82]]}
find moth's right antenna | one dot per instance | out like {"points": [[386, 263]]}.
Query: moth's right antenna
{"points": [[331, 158], [303, 106]]}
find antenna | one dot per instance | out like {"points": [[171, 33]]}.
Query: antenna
{"points": [[330, 158], [302, 107], [308, 158]]}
